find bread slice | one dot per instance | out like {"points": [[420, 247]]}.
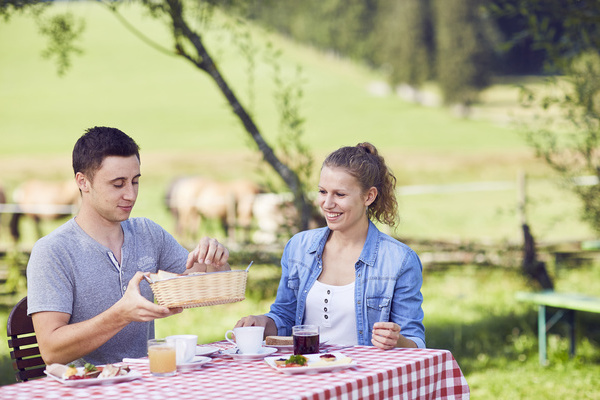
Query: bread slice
{"points": [[279, 341], [161, 275]]}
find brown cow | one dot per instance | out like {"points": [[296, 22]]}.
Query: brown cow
{"points": [[44, 200], [194, 199]]}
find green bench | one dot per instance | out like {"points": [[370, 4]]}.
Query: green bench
{"points": [[566, 304]]}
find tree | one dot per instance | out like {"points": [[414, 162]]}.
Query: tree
{"points": [[405, 39], [464, 58], [563, 28], [566, 134], [62, 31]]}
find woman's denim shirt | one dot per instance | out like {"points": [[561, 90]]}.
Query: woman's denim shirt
{"points": [[388, 281]]}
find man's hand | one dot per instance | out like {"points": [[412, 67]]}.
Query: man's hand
{"points": [[208, 256], [135, 307]]}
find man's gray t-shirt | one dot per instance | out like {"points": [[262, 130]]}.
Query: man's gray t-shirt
{"points": [[70, 272]]}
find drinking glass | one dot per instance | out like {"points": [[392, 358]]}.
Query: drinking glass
{"points": [[306, 339], [162, 357]]}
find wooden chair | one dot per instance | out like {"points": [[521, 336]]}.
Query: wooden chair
{"points": [[22, 341]]}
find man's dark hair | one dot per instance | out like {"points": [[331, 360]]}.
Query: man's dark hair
{"points": [[98, 143]]}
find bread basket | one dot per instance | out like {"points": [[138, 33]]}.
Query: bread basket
{"points": [[200, 290]]}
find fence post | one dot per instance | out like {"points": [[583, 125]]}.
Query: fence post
{"points": [[522, 196]]}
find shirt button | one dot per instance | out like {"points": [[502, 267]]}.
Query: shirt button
{"points": [[325, 309], [326, 301], [327, 317], [328, 291]]}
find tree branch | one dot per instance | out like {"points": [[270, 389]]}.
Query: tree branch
{"points": [[136, 32]]}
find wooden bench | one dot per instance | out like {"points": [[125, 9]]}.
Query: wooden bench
{"points": [[566, 304]]}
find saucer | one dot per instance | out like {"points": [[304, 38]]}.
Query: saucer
{"points": [[262, 353], [206, 350], [196, 363]]}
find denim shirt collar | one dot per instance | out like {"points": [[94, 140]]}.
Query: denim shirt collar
{"points": [[369, 251]]}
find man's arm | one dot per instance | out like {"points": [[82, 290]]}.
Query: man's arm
{"points": [[61, 342]]}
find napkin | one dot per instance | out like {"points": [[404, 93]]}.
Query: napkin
{"points": [[143, 360]]}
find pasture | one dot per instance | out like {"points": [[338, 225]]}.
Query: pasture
{"points": [[184, 127]]}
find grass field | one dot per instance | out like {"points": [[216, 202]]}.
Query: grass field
{"points": [[184, 127]]}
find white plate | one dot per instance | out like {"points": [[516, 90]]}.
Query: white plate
{"points": [[206, 350], [131, 375], [264, 352], [283, 348], [324, 366], [196, 363]]}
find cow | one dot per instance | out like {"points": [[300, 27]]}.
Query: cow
{"points": [[43, 200], [194, 200]]}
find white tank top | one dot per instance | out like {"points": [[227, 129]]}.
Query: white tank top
{"points": [[332, 308]]}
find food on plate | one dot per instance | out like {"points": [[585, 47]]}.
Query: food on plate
{"points": [[315, 360], [89, 371], [297, 360], [279, 341], [111, 370], [327, 357], [71, 371], [326, 362]]}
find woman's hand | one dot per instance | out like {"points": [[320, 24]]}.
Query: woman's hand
{"points": [[259, 320], [386, 335]]}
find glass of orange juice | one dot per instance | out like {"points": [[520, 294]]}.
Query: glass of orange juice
{"points": [[162, 357]]}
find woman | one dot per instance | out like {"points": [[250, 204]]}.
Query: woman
{"points": [[358, 284]]}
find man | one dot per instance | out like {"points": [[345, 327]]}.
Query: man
{"points": [[86, 292]]}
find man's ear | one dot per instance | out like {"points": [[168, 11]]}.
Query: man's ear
{"points": [[82, 182]]}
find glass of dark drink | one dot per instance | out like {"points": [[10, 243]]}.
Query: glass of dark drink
{"points": [[306, 339]]}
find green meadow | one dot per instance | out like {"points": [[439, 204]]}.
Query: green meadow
{"points": [[184, 126]]}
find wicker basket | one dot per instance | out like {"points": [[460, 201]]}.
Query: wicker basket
{"points": [[199, 290]]}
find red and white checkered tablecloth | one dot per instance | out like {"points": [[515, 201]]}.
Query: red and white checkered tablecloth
{"points": [[393, 374]]}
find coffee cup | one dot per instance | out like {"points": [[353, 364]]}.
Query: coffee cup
{"points": [[185, 347], [248, 339]]}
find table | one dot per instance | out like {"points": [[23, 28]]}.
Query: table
{"points": [[567, 304], [392, 374]]}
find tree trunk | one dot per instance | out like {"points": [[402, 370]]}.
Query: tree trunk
{"points": [[533, 268], [204, 61]]}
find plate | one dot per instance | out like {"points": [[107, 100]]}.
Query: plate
{"points": [[206, 350], [131, 375], [283, 348], [196, 363], [264, 352], [317, 364]]}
